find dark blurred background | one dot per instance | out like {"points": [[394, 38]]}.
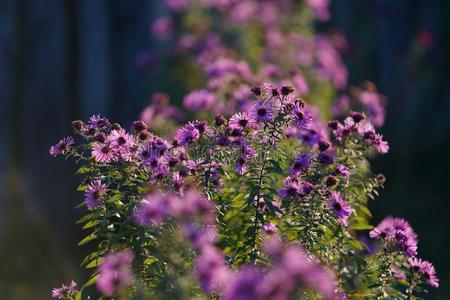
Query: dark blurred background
{"points": [[64, 60]]}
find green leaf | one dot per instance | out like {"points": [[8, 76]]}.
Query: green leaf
{"points": [[361, 226], [91, 281], [276, 167], [94, 263], [87, 239], [83, 219]]}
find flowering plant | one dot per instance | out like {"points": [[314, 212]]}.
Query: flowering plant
{"points": [[269, 203]]}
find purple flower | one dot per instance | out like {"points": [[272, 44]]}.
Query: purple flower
{"points": [[211, 269], [269, 228], [341, 209], [244, 285], [398, 232], [62, 146], [242, 120], [241, 166], [66, 291], [381, 146], [343, 171], [300, 164], [115, 272], [103, 152], [262, 111], [291, 189], [162, 27], [94, 193], [425, 269], [326, 158], [372, 104], [98, 121], [187, 134], [398, 273], [153, 209], [122, 143], [301, 117], [199, 100]]}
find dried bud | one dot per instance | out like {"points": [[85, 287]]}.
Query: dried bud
{"points": [[331, 181], [77, 125], [256, 90], [116, 126], [333, 124], [323, 146], [139, 126], [219, 120], [286, 90], [357, 116]]}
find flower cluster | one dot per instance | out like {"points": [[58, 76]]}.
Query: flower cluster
{"points": [[267, 203]]}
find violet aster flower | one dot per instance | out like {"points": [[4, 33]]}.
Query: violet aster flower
{"points": [[103, 152], [211, 269], [187, 134], [199, 100], [244, 285], [341, 209], [62, 146], [300, 164], [115, 272], [98, 121], [425, 269], [291, 189], [162, 27], [262, 111], [381, 146], [242, 120], [326, 158], [397, 232], [95, 191], [241, 166], [301, 117], [269, 228], [66, 291], [152, 210], [343, 171]]}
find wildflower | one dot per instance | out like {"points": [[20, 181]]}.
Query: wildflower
{"points": [[211, 269], [339, 207], [343, 171], [291, 189], [103, 153], [62, 146], [98, 121], [241, 166], [94, 193], [425, 269], [153, 209], [187, 134], [269, 228], [162, 27], [398, 273], [300, 164], [272, 90], [301, 117], [331, 180], [326, 158], [199, 100], [66, 291], [399, 233], [244, 285], [262, 111], [115, 272], [242, 121]]}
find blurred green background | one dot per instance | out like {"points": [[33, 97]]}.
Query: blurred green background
{"points": [[66, 59]]}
